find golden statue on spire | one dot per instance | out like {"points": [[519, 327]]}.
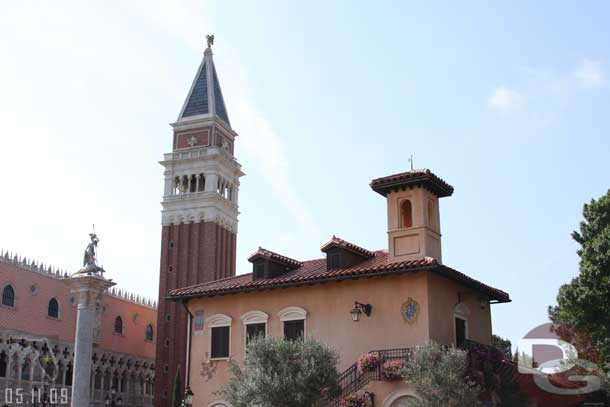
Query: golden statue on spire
{"points": [[210, 39]]}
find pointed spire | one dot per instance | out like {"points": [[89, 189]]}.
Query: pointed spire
{"points": [[205, 95]]}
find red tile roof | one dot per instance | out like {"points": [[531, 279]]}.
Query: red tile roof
{"points": [[276, 257], [423, 177], [344, 244], [314, 272]]}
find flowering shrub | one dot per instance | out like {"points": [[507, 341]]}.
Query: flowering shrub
{"points": [[369, 362], [392, 369], [352, 400]]}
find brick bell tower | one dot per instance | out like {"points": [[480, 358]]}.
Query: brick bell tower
{"points": [[199, 215]]}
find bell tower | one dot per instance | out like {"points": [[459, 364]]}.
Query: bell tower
{"points": [[199, 215], [414, 229]]}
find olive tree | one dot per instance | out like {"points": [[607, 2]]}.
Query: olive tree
{"points": [[278, 372]]}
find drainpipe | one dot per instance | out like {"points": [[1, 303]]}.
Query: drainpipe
{"points": [[188, 344]]}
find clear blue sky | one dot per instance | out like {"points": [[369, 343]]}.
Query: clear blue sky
{"points": [[508, 102]]}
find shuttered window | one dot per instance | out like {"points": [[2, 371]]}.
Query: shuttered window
{"points": [[254, 331], [220, 342], [294, 329]]}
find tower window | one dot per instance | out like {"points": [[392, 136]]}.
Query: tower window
{"points": [[171, 244], [431, 215], [406, 214], [8, 296], [53, 309], [118, 325], [150, 333]]}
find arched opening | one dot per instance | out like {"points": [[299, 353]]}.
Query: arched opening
{"points": [[59, 379], [193, 183], [149, 333], [26, 368], [3, 364], [201, 183], [53, 309], [431, 214], [97, 380], [69, 374], [118, 325], [8, 296], [406, 214], [107, 380]]}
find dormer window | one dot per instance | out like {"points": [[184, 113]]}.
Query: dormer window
{"points": [[334, 260], [267, 264], [341, 253]]}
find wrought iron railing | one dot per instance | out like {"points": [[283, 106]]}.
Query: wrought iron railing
{"points": [[351, 380]]}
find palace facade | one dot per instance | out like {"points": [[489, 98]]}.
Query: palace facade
{"points": [[37, 330]]}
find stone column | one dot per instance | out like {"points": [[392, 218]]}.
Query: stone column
{"points": [[87, 290]]}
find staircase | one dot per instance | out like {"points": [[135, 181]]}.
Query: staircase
{"points": [[350, 381]]}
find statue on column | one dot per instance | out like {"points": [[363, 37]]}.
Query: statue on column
{"points": [[90, 258]]}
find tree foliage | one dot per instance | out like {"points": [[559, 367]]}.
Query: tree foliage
{"points": [[583, 305], [177, 393], [279, 373], [439, 378], [503, 345]]}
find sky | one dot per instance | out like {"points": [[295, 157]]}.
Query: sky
{"points": [[508, 102]]}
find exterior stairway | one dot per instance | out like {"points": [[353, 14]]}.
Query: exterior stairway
{"points": [[351, 380]]}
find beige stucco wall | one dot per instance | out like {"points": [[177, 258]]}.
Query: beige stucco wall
{"points": [[328, 319], [443, 299]]}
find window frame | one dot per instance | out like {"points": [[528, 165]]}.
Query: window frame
{"points": [[253, 318], [122, 332], [56, 317], [220, 321], [293, 314], [152, 331], [14, 296]]}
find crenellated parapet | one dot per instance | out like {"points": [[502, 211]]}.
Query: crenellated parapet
{"points": [[23, 263]]}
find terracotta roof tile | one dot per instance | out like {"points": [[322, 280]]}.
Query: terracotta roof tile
{"points": [[314, 271], [338, 242], [423, 177]]}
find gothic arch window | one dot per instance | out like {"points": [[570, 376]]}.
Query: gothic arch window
{"points": [[8, 296], [3, 364], [406, 214], [118, 325], [53, 309], [97, 381], [59, 379], [69, 374], [150, 333], [26, 368]]}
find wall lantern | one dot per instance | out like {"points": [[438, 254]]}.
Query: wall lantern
{"points": [[483, 303], [188, 397], [360, 308]]}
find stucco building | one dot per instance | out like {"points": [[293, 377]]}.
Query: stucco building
{"points": [[355, 299], [37, 328]]}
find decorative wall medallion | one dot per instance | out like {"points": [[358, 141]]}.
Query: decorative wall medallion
{"points": [[410, 310]]}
